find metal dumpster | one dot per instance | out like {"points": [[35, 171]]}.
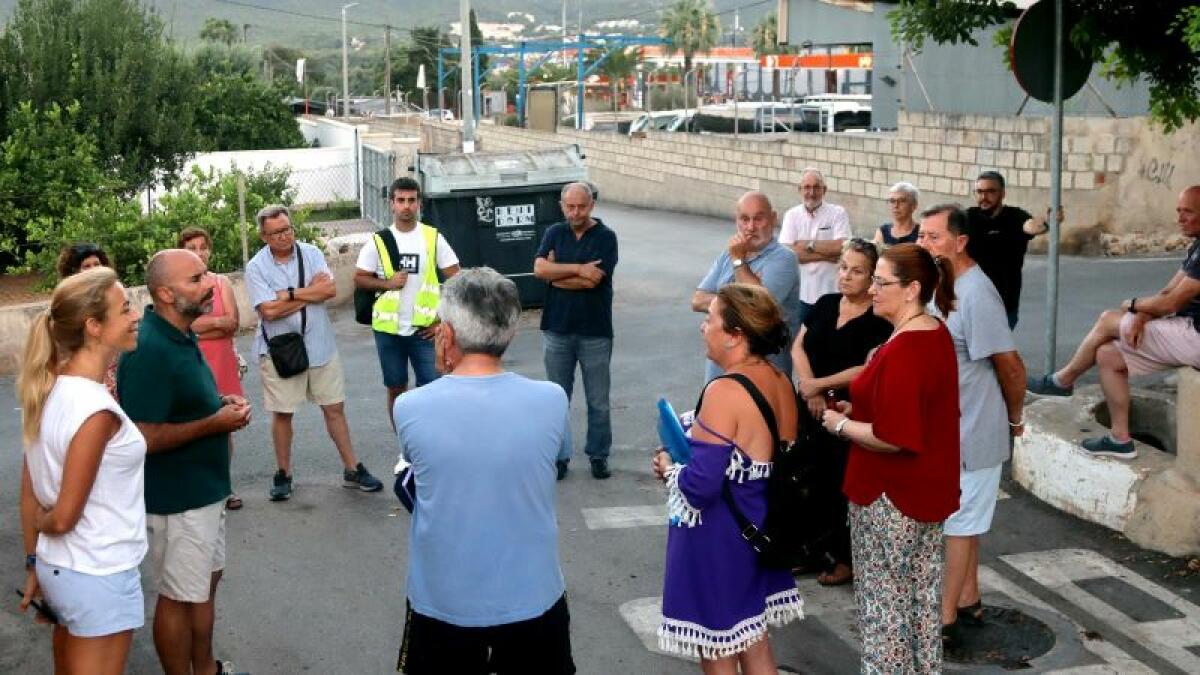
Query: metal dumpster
{"points": [[493, 208]]}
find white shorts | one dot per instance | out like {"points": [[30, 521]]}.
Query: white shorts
{"points": [[185, 549], [90, 605], [323, 385], [979, 490]]}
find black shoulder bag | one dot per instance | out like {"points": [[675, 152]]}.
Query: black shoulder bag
{"points": [[773, 551], [364, 298], [287, 351]]}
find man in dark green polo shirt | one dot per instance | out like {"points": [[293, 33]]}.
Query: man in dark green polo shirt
{"points": [[167, 389]]}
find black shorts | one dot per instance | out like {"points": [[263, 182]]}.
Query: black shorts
{"points": [[537, 646]]}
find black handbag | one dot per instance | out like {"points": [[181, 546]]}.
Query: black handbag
{"points": [[364, 298], [287, 351], [788, 489]]}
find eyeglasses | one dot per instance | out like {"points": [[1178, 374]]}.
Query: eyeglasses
{"points": [[897, 201], [280, 233], [881, 282], [859, 244], [987, 191]]}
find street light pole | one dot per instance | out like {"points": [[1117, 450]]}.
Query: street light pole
{"points": [[467, 62], [345, 65]]}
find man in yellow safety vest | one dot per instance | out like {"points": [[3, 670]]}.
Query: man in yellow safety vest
{"points": [[400, 264]]}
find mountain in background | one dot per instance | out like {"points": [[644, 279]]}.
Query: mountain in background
{"points": [[184, 18]]}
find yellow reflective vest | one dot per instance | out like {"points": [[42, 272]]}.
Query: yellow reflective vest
{"points": [[385, 314]]}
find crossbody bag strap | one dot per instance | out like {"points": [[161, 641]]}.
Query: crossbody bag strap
{"points": [[752, 533], [304, 308]]}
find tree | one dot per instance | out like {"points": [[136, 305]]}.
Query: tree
{"points": [[219, 30], [620, 65], [764, 39], [236, 111], [692, 27], [133, 88], [1158, 40], [47, 166]]}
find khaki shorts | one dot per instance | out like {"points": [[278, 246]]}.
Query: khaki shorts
{"points": [[185, 549], [323, 385]]}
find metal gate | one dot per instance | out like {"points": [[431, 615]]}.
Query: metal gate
{"points": [[378, 172]]}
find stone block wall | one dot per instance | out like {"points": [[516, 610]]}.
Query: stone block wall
{"points": [[1120, 176]]}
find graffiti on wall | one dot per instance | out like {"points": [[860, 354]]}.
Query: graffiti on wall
{"points": [[1157, 172]]}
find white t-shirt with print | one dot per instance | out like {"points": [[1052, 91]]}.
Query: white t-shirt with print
{"points": [[110, 536], [411, 247]]}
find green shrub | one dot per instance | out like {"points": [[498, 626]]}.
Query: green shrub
{"points": [[203, 199]]}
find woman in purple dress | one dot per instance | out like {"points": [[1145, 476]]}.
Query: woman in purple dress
{"points": [[717, 598]]}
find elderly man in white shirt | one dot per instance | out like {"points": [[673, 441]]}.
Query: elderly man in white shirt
{"points": [[815, 231]]}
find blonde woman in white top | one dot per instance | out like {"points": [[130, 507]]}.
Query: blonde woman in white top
{"points": [[82, 511]]}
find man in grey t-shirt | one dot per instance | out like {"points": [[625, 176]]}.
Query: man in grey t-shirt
{"points": [[991, 390]]}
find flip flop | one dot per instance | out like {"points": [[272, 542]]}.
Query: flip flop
{"points": [[832, 579], [233, 503]]}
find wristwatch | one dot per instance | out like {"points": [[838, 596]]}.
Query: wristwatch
{"points": [[1133, 305], [812, 246], [291, 293], [30, 561], [738, 262]]}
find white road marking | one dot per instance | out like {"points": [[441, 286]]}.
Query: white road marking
{"points": [[1001, 494], [615, 517], [1118, 662], [643, 616], [1059, 569]]}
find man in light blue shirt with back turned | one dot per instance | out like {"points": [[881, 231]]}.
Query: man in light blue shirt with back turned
{"points": [[485, 587]]}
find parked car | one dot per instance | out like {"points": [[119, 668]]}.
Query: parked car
{"points": [[439, 113]]}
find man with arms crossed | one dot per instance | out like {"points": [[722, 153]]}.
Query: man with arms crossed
{"points": [[577, 259], [815, 231], [288, 304]]}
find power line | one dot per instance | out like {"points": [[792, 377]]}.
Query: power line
{"points": [[315, 17]]}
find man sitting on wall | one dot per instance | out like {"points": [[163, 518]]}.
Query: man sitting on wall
{"points": [[1145, 335]]}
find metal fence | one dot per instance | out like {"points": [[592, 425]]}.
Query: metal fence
{"points": [[379, 169]]}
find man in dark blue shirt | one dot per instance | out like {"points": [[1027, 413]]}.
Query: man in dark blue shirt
{"points": [[576, 260]]}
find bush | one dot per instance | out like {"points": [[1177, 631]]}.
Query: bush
{"points": [[203, 199]]}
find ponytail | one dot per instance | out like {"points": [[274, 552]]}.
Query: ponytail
{"points": [[39, 369], [943, 297], [55, 335]]}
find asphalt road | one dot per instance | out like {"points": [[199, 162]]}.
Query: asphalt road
{"points": [[316, 584]]}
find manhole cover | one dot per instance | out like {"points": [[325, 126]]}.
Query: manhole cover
{"points": [[1007, 638]]}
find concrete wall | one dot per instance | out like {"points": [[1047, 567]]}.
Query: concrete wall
{"points": [[1121, 176]]}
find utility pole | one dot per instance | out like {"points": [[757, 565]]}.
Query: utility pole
{"points": [[564, 32], [245, 29], [387, 69], [467, 63], [345, 65]]}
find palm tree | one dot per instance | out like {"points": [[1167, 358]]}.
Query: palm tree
{"points": [[692, 27], [618, 67], [764, 39]]}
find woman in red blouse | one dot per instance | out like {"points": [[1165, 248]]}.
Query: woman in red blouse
{"points": [[902, 475]]}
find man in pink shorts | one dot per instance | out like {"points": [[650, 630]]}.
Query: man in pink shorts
{"points": [[1145, 335]]}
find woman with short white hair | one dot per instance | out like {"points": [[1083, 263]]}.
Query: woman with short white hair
{"points": [[903, 228]]}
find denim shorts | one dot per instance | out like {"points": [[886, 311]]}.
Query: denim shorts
{"points": [[89, 605], [397, 351]]}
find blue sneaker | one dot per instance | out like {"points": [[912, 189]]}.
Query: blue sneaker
{"points": [[1046, 386], [281, 486], [1106, 446], [362, 479]]}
